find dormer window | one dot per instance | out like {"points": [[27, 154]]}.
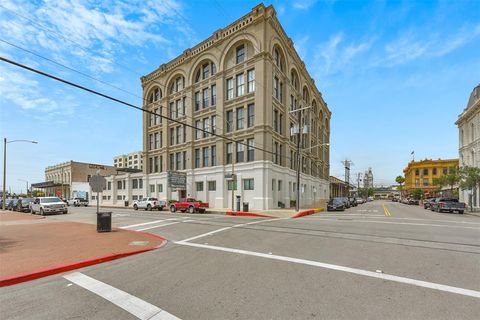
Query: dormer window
{"points": [[240, 54]]}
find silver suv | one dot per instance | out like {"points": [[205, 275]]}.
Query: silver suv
{"points": [[44, 205]]}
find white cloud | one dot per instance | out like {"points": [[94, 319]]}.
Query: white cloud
{"points": [[303, 4], [335, 55]]}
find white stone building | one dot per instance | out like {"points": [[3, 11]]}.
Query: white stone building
{"points": [[469, 140]]}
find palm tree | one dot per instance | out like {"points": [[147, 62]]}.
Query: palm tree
{"points": [[400, 180]]}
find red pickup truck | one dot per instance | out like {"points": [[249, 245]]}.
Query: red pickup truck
{"points": [[189, 204]]}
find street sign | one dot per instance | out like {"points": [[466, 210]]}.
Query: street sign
{"points": [[98, 183], [229, 176], [177, 180]]}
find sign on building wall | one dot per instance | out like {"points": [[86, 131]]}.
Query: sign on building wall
{"points": [[177, 180]]}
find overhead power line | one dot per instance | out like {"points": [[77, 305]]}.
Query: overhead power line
{"points": [[70, 83]]}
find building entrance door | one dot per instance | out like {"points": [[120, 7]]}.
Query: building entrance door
{"points": [[182, 194]]}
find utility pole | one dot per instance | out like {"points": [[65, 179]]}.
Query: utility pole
{"points": [[347, 163], [358, 183], [299, 137], [4, 172]]}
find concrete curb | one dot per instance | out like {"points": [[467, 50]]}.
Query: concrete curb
{"points": [[247, 214], [32, 275], [307, 213]]}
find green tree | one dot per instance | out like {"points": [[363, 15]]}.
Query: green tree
{"points": [[452, 178], [417, 194], [470, 178], [400, 180]]}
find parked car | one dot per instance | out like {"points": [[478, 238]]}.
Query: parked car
{"points": [[335, 204], [413, 202], [427, 204], [353, 202], [370, 199], [448, 204], [346, 202], [12, 205], [77, 202], [24, 205], [189, 204], [149, 204], [44, 205]]}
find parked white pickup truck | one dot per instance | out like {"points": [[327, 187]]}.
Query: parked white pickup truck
{"points": [[77, 202], [149, 204], [44, 205]]}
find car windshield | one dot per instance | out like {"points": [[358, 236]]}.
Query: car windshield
{"points": [[27, 200], [50, 200]]}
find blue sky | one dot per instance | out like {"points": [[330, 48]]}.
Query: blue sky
{"points": [[395, 74]]}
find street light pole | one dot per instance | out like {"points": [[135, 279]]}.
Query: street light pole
{"points": [[5, 166]]}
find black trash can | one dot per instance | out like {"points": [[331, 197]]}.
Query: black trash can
{"points": [[245, 207], [126, 203], [104, 221]]}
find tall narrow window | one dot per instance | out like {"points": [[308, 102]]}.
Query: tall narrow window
{"points": [[197, 100], [240, 85], [205, 97], [275, 87], [151, 141], [213, 124], [280, 92], [206, 70], [197, 131], [213, 152], [172, 136], [172, 110], [155, 163], [240, 117], [206, 127], [240, 57], [275, 120], [157, 140], [251, 80], [229, 152], [205, 156], [171, 163], [229, 89], [213, 91], [250, 150], [229, 121], [240, 151], [197, 158], [280, 124], [251, 115]]}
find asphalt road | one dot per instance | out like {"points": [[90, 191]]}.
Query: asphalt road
{"points": [[380, 260]]}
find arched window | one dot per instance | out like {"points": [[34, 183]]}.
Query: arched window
{"points": [[278, 58], [155, 95], [177, 84], [294, 79], [205, 70], [473, 132], [306, 95]]}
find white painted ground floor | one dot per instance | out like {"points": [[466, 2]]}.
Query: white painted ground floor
{"points": [[262, 184], [471, 198]]}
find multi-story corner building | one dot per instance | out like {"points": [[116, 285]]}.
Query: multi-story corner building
{"points": [[469, 140], [69, 179], [241, 83], [133, 160], [232, 100], [421, 175]]}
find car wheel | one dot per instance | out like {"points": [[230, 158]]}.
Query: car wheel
{"points": [[160, 208], [191, 209], [149, 207], [173, 209], [460, 211], [135, 207], [65, 212], [42, 213]]}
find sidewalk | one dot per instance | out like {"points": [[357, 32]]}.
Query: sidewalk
{"points": [[32, 247], [274, 213]]}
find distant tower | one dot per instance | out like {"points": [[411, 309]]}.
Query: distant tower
{"points": [[368, 179]]}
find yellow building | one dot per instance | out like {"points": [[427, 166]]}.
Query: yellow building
{"points": [[420, 174]]}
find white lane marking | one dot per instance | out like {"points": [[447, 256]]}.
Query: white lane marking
{"points": [[406, 223], [383, 276], [137, 307], [158, 226], [150, 222], [231, 227]]}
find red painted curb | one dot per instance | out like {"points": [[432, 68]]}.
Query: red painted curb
{"points": [[23, 277], [247, 214], [304, 213]]}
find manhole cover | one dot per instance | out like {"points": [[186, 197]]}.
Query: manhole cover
{"points": [[138, 243]]}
